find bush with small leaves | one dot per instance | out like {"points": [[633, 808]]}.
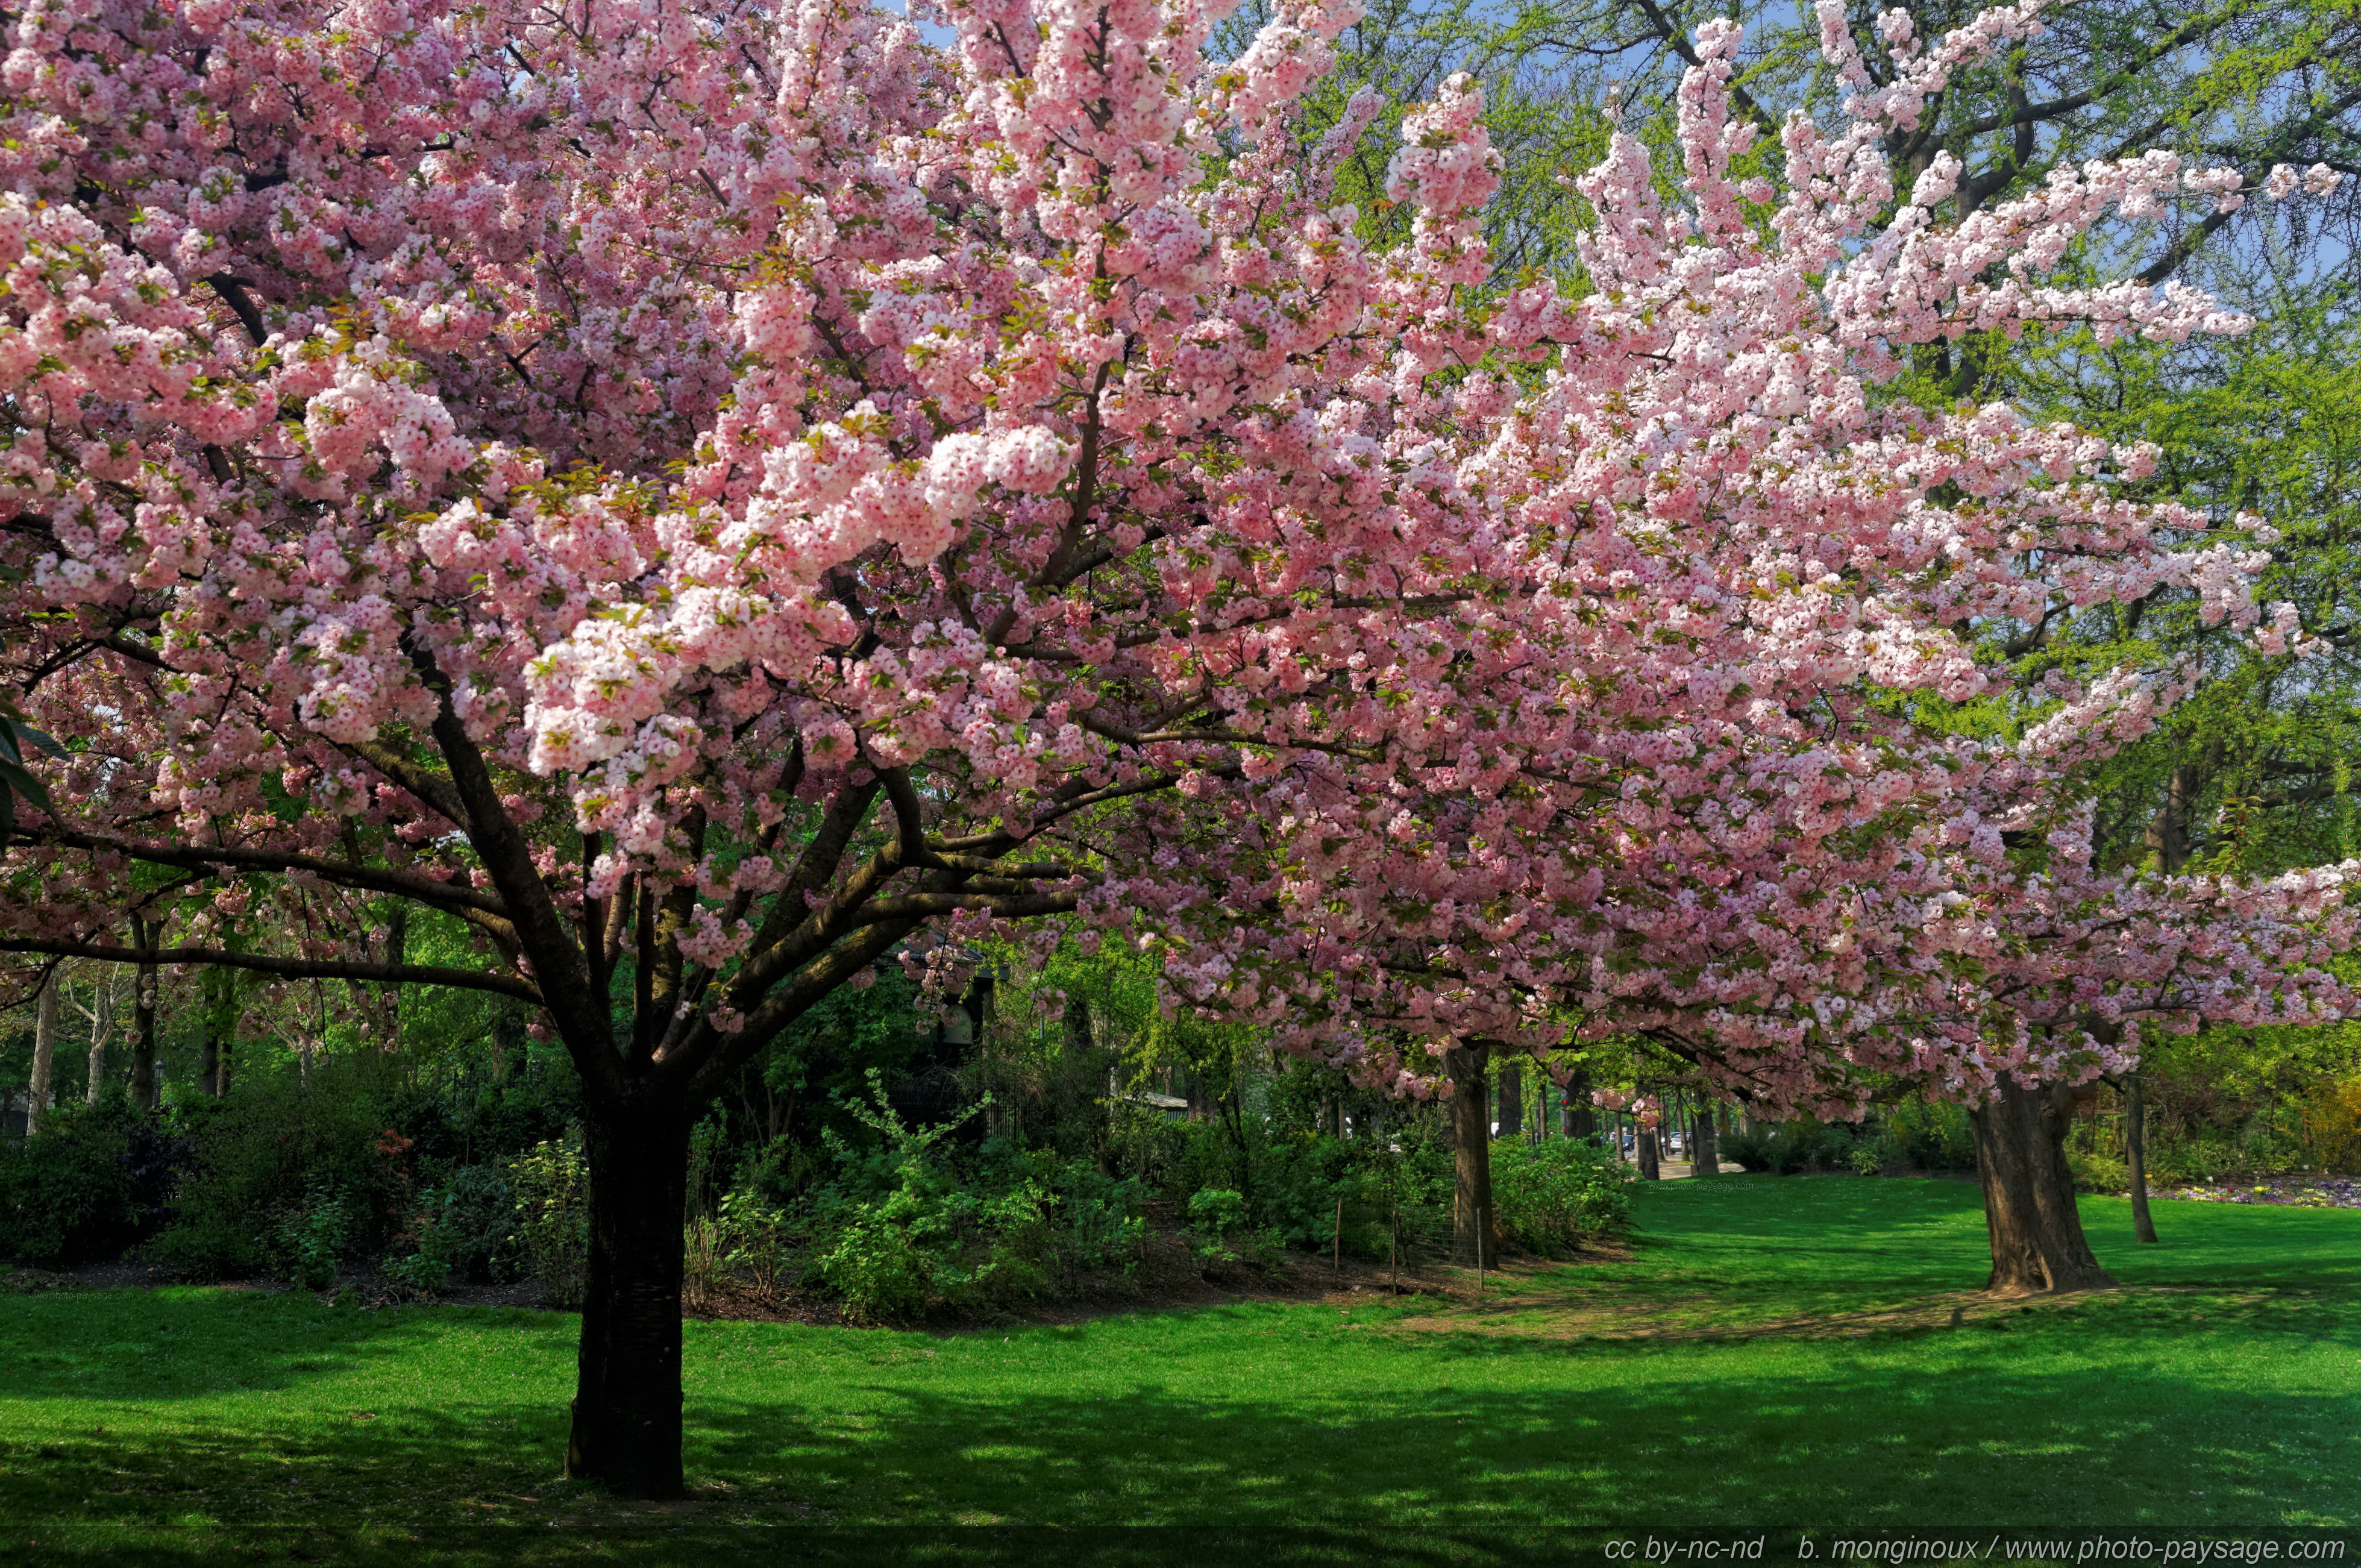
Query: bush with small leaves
{"points": [[552, 1182]]}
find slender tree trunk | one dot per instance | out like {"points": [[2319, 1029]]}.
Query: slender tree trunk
{"points": [[397, 951], [1472, 1242], [45, 1055], [2136, 1158], [1513, 1099], [2038, 1243], [1704, 1150], [102, 1027], [626, 1400], [218, 1009], [1645, 1150], [146, 932]]}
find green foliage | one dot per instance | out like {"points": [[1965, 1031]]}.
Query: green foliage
{"points": [[896, 1235], [465, 1228], [1928, 1134], [307, 1244], [2333, 1119], [906, 1226], [1216, 1216], [827, 1057], [753, 1239], [889, 1257], [1556, 1195], [2096, 1172], [552, 1183], [64, 1196], [1791, 1147], [474, 1210], [281, 1145]]}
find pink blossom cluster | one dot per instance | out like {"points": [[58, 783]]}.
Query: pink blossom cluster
{"points": [[589, 455]]}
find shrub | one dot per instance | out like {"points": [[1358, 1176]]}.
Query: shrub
{"points": [[552, 1183], [1100, 1222], [65, 1193], [1790, 1147], [426, 1269], [1553, 1196], [907, 1224], [270, 1155], [308, 1245], [1930, 1136], [702, 1251], [467, 1227], [476, 1208], [754, 1236], [2332, 1115], [891, 1233], [1215, 1215], [2097, 1172], [887, 1259]]}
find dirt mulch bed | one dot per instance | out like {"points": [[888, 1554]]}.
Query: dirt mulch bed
{"points": [[1167, 1277]]}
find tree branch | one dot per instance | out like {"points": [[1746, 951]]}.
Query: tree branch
{"points": [[398, 884], [292, 969]]}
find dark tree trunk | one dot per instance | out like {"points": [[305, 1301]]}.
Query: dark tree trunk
{"points": [[1085, 1064], [1704, 1150], [509, 1048], [627, 1400], [2136, 1158], [1645, 1151], [1513, 1099], [1472, 1227], [1193, 1089], [2038, 1243], [1581, 1115]]}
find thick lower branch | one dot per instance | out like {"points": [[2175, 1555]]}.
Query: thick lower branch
{"points": [[344, 873], [291, 969]]}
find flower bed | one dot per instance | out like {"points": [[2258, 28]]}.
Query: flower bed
{"points": [[2300, 1193]]}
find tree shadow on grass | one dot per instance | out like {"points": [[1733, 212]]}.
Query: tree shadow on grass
{"points": [[1999, 1428], [117, 1345]]}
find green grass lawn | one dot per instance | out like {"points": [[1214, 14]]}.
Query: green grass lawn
{"points": [[1773, 1353]]}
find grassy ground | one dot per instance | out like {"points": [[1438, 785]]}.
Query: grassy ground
{"points": [[1774, 1352]]}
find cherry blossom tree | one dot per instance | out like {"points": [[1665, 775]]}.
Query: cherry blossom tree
{"points": [[703, 497], [1708, 812], [706, 497]]}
